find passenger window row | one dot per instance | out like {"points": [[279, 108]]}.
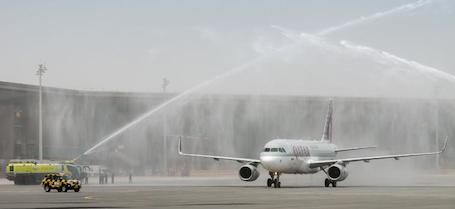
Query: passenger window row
{"points": [[280, 149]]}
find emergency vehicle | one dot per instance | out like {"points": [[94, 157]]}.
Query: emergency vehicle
{"points": [[24, 172], [61, 182]]}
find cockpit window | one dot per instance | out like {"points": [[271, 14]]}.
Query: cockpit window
{"points": [[267, 150], [282, 150], [274, 150]]}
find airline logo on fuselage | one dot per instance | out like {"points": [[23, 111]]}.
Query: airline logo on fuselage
{"points": [[298, 150]]}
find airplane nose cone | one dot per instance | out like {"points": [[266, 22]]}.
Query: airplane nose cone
{"points": [[271, 163]]}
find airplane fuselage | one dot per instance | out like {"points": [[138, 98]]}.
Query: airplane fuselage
{"points": [[292, 156]]}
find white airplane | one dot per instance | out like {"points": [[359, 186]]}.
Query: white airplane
{"points": [[295, 156]]}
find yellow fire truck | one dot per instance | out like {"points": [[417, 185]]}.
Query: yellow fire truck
{"points": [[24, 172]]}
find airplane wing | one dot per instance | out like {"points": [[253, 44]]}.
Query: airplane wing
{"points": [[354, 148], [217, 158], [321, 163]]}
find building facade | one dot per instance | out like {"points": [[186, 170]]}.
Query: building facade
{"points": [[236, 125]]}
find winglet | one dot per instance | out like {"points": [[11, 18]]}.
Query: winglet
{"points": [[444, 147]]}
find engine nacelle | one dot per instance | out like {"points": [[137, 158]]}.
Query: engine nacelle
{"points": [[337, 172], [248, 173]]}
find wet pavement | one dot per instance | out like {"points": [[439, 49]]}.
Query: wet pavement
{"points": [[227, 194]]}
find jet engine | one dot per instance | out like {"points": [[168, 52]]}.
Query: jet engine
{"points": [[337, 172], [248, 173]]}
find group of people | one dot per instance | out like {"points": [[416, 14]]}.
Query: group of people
{"points": [[84, 176], [103, 176]]}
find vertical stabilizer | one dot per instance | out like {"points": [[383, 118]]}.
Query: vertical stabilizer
{"points": [[327, 134]]}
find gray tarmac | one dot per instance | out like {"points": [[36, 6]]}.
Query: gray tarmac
{"points": [[226, 195]]}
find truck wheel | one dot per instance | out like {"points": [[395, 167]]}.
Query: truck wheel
{"points": [[64, 188], [76, 190], [47, 188]]}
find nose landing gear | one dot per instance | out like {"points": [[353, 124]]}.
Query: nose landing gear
{"points": [[274, 180]]}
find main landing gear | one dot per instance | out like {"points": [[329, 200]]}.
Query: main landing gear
{"points": [[327, 183], [274, 180]]}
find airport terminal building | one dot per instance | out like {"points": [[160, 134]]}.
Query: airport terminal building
{"points": [[239, 125]]}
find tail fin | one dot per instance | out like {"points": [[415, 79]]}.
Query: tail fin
{"points": [[327, 135]]}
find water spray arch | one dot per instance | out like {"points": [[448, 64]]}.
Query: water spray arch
{"points": [[248, 65]]}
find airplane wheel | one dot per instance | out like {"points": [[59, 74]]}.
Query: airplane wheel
{"points": [[275, 183], [334, 184], [269, 182], [279, 184], [327, 183]]}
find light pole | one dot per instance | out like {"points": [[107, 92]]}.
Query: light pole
{"points": [[436, 92], [40, 72], [437, 134], [164, 86]]}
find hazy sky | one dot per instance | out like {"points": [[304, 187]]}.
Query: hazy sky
{"points": [[132, 45]]}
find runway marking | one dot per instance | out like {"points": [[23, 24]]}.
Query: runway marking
{"points": [[89, 197]]}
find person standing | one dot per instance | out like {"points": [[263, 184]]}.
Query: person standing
{"points": [[100, 178], [85, 177], [130, 178], [105, 177]]}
